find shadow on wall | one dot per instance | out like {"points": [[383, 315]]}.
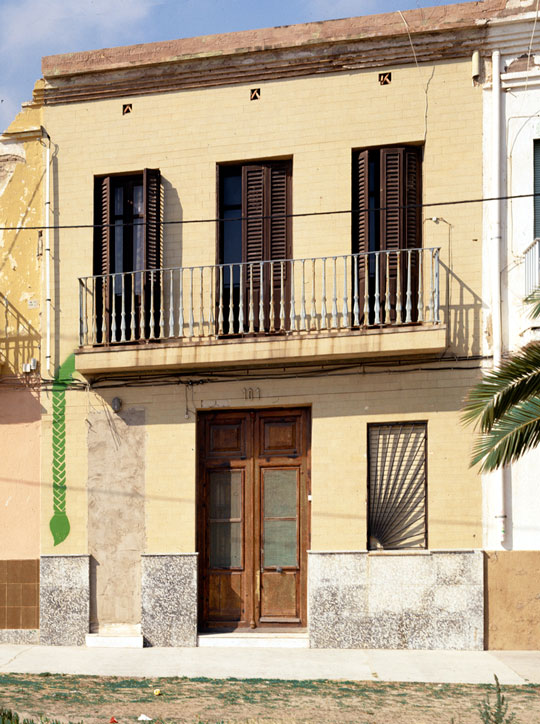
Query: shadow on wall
{"points": [[462, 315], [173, 234], [19, 340]]}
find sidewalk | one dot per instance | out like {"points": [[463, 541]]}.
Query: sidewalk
{"points": [[472, 667]]}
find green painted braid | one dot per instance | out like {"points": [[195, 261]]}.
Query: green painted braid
{"points": [[59, 524]]}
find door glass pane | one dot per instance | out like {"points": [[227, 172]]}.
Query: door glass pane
{"points": [[225, 545], [280, 543], [280, 493], [225, 494]]}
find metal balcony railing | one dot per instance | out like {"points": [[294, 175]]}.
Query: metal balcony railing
{"points": [[532, 267], [304, 296]]}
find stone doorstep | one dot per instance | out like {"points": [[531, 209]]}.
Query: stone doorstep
{"points": [[116, 635], [254, 640], [113, 642]]}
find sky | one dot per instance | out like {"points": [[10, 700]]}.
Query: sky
{"points": [[30, 29]]}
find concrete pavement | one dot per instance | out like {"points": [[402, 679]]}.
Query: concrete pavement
{"points": [[473, 667]]}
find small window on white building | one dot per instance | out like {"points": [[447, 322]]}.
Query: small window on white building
{"points": [[537, 189]]}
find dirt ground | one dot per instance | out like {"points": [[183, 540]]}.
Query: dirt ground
{"points": [[94, 700]]}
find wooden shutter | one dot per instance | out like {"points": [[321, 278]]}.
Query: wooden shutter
{"points": [[102, 265], [413, 226], [392, 228], [253, 224], [277, 240], [360, 220], [152, 218], [278, 197], [253, 215], [391, 199], [412, 237], [266, 191]]}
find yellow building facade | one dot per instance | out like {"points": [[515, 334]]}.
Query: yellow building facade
{"points": [[265, 317]]}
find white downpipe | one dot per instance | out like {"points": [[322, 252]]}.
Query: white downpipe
{"points": [[47, 253], [498, 479]]}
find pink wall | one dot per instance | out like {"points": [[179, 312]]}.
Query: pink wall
{"points": [[19, 473]]}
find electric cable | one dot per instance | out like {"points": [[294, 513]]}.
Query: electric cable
{"points": [[181, 222]]}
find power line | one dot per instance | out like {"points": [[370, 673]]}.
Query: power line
{"points": [[217, 220], [193, 378]]}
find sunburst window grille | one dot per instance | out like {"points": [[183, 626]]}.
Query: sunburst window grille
{"points": [[397, 486]]}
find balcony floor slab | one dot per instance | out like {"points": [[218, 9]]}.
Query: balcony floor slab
{"points": [[379, 344]]}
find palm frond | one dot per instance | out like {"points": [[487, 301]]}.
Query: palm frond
{"points": [[534, 300], [516, 432], [515, 381]]}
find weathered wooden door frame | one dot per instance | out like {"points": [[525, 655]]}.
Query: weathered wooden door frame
{"points": [[253, 463]]}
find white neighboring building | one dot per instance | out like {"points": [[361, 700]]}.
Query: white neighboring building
{"points": [[512, 125]]}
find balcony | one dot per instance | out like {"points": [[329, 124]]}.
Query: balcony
{"points": [[532, 267], [376, 305]]}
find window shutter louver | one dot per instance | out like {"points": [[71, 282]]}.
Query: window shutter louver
{"points": [[413, 226], [253, 217], [412, 199], [392, 227], [279, 176], [105, 220], [152, 218], [361, 222], [391, 199]]}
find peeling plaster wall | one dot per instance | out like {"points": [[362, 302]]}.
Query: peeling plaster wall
{"points": [[21, 205], [116, 529]]}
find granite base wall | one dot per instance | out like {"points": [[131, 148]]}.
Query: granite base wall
{"points": [[421, 600], [19, 636], [169, 599], [64, 611]]}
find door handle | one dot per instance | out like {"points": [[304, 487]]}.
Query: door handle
{"points": [[279, 569]]}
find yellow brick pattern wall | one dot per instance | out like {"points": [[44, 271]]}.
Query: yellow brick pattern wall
{"points": [[341, 409], [316, 121]]}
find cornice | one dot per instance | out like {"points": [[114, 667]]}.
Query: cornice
{"points": [[263, 65]]}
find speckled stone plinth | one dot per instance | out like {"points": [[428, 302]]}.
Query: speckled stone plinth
{"points": [[64, 604], [425, 600], [19, 636], [169, 599]]}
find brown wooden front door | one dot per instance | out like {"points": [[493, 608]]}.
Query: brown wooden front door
{"points": [[253, 530]]}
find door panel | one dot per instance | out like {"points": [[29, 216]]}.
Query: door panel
{"points": [[253, 517], [227, 438], [280, 436]]}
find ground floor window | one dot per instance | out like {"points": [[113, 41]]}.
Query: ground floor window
{"points": [[397, 485]]}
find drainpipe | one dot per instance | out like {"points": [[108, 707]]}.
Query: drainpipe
{"points": [[496, 169], [47, 251]]}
